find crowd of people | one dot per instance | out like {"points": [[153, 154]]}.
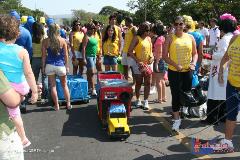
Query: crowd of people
{"points": [[153, 53]]}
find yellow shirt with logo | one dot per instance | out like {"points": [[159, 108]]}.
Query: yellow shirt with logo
{"points": [[234, 68], [180, 51], [77, 40], [144, 49], [110, 48], [128, 39]]}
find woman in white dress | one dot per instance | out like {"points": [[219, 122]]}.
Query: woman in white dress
{"points": [[216, 106]]}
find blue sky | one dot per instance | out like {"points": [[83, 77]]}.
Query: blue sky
{"points": [[58, 7]]}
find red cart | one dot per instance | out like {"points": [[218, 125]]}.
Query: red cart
{"points": [[112, 88]]}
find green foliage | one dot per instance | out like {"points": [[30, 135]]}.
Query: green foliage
{"points": [[166, 10], [108, 10], [7, 5]]}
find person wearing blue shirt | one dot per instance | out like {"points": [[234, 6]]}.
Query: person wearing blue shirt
{"points": [[25, 38]]}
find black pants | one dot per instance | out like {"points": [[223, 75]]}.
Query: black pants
{"points": [[214, 111], [179, 81]]}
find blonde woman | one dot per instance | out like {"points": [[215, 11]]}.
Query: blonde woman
{"points": [[55, 62]]}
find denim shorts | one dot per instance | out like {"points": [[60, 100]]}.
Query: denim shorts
{"points": [[161, 66], [233, 102], [91, 62], [110, 60]]}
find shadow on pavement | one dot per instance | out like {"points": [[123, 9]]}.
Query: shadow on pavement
{"points": [[84, 122], [185, 156]]}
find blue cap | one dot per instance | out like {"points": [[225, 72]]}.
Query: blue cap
{"points": [[30, 20], [50, 21], [14, 13]]}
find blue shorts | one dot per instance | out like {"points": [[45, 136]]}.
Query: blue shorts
{"points": [[91, 62], [110, 60], [233, 102]]}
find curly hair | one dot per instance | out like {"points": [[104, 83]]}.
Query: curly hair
{"points": [[158, 28], [227, 25], [53, 33], [105, 38], [9, 27]]}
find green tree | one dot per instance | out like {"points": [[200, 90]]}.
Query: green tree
{"points": [[108, 10]]}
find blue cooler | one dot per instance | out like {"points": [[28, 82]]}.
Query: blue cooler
{"points": [[78, 88]]}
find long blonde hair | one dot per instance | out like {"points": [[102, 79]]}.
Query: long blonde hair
{"points": [[53, 34]]}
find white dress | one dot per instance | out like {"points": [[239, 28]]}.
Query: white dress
{"points": [[217, 91]]}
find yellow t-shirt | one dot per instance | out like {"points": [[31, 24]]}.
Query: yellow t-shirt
{"points": [[128, 39], [144, 49], [110, 48], [77, 40], [37, 50], [180, 51], [234, 68]]}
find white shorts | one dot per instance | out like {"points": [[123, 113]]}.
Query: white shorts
{"points": [[136, 69], [127, 60], [11, 147], [55, 70]]}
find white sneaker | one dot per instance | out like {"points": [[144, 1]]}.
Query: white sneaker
{"points": [[145, 105], [94, 92], [138, 103], [224, 145], [153, 90], [176, 125]]}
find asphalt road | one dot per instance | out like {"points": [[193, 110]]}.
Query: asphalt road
{"points": [[77, 135]]}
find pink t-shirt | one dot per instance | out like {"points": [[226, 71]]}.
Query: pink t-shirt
{"points": [[160, 40]]}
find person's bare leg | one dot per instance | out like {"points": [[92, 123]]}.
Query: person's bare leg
{"points": [[159, 89], [147, 85], [176, 115], [75, 69], [139, 80], [107, 68], [114, 67], [18, 122], [65, 89], [52, 80], [229, 129], [125, 71]]}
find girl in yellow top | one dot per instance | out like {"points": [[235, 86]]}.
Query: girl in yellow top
{"points": [[180, 53], [233, 85], [143, 56], [75, 39], [110, 49]]}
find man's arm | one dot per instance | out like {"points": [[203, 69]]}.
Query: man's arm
{"points": [[8, 95]]}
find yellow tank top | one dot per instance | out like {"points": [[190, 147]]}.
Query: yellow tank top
{"points": [[180, 51], [99, 43], [128, 39], [77, 40], [144, 49], [234, 68], [37, 50], [110, 48]]}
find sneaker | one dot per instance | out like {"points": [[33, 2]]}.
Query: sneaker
{"points": [[224, 145], [176, 125], [153, 90], [138, 103], [145, 105], [94, 92], [26, 143]]}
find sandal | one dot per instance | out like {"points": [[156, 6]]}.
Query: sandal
{"points": [[164, 100], [69, 107]]}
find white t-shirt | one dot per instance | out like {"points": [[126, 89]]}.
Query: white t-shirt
{"points": [[205, 33], [214, 34], [217, 91]]}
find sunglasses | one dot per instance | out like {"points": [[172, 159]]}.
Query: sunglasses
{"points": [[77, 24], [178, 24]]}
